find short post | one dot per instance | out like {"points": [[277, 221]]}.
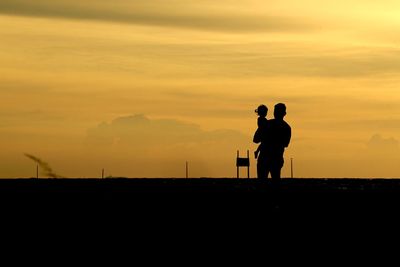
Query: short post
{"points": [[237, 165], [187, 170], [291, 167], [248, 166]]}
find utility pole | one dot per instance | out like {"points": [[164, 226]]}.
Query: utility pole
{"points": [[37, 171], [291, 167], [102, 174], [187, 170]]}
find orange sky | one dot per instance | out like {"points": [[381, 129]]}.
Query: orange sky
{"points": [[139, 87]]}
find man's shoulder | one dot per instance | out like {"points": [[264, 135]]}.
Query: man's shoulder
{"points": [[286, 125], [279, 122]]}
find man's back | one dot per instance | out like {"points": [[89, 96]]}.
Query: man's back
{"points": [[277, 137]]}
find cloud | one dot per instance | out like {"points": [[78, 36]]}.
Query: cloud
{"points": [[145, 134], [360, 124], [191, 57], [260, 59], [154, 12], [377, 142], [136, 144], [282, 59], [29, 116]]}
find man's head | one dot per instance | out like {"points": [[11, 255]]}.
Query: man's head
{"points": [[280, 111], [262, 111]]}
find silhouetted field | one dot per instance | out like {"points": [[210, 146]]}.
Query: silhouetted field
{"points": [[202, 208], [243, 195]]}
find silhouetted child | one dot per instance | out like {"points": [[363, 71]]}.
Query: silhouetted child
{"points": [[262, 122]]}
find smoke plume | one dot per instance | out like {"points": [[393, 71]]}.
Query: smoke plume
{"points": [[47, 170]]}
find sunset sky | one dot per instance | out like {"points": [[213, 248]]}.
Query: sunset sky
{"points": [[139, 87]]}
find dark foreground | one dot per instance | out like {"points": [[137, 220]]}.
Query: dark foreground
{"points": [[201, 209], [323, 196]]}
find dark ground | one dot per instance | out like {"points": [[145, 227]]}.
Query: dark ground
{"points": [[202, 209], [323, 196]]}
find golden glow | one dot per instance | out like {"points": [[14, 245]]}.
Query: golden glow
{"points": [[73, 76]]}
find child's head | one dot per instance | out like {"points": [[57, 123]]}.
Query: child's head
{"points": [[262, 111]]}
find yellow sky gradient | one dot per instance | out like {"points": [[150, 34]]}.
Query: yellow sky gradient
{"points": [[139, 87]]}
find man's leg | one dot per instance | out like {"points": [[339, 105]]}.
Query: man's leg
{"points": [[262, 168], [275, 174], [276, 168]]}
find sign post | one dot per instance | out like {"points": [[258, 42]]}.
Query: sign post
{"points": [[243, 162]]}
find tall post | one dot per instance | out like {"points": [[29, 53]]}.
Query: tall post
{"points": [[237, 165], [102, 173], [291, 167], [187, 170], [37, 171], [248, 167]]}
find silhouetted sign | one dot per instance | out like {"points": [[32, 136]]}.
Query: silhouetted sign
{"points": [[242, 162]]}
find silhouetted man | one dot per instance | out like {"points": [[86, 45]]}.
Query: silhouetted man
{"points": [[276, 139]]}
